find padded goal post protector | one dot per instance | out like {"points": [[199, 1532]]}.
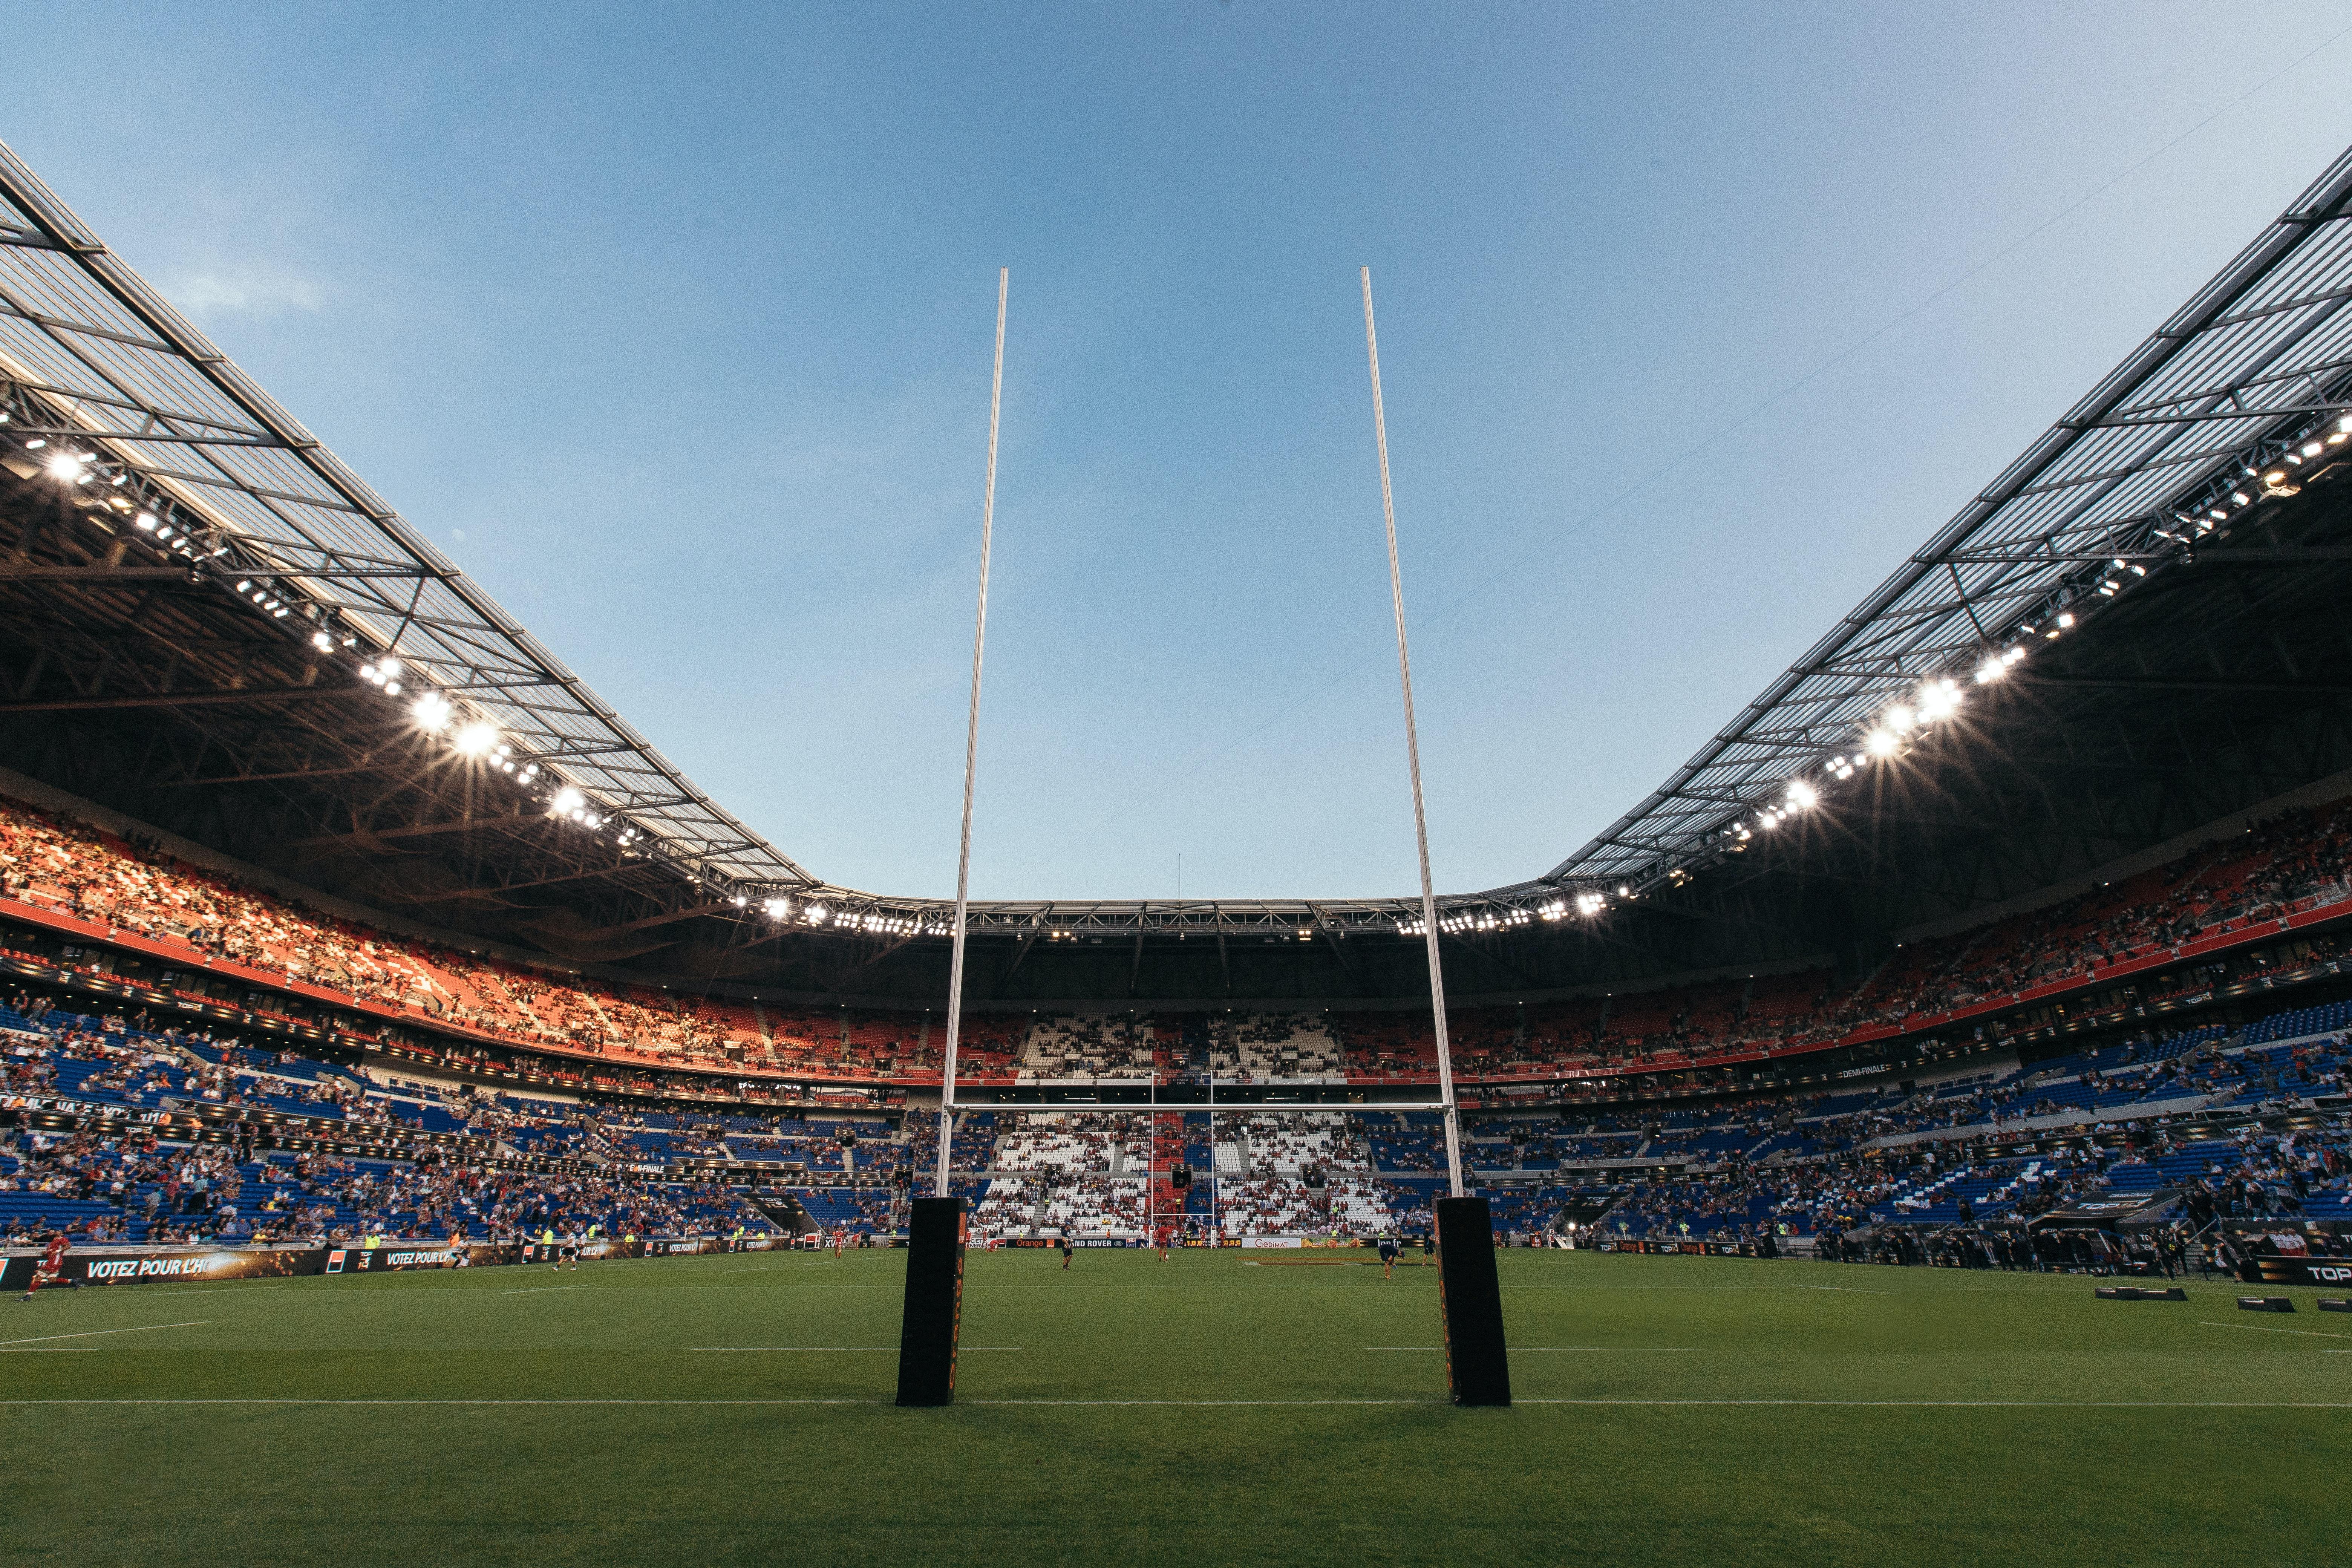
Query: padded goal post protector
{"points": [[1470, 1302], [934, 1309]]}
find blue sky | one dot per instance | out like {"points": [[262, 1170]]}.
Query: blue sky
{"points": [[671, 325]]}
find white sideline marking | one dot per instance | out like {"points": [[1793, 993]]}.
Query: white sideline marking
{"points": [[697, 1402], [2266, 1328], [1992, 1404], [1204, 1404], [540, 1289], [1639, 1349], [1852, 1289], [93, 1334], [1209, 1404], [749, 1349], [49, 1350]]}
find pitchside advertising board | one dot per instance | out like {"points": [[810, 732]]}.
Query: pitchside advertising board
{"points": [[2284, 1270], [1683, 1248], [139, 1265]]}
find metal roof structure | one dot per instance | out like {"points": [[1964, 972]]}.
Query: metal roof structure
{"points": [[2208, 416], [95, 363]]}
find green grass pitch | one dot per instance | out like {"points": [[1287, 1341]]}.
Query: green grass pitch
{"points": [[1221, 1407]]}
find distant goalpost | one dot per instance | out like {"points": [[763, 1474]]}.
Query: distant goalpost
{"points": [[1468, 1293]]}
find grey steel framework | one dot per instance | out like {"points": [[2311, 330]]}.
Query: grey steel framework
{"points": [[94, 361], [2213, 410]]}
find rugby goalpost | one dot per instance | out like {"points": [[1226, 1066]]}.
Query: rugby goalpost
{"points": [[1470, 1302]]}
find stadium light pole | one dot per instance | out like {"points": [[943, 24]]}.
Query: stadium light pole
{"points": [[1412, 762], [971, 748]]}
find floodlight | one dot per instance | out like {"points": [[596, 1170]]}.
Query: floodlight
{"points": [[2065, 618], [1802, 794], [147, 521], [476, 739], [1899, 719], [1879, 744], [567, 800], [432, 711]]}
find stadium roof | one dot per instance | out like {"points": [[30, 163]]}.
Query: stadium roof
{"points": [[100, 364], [2161, 452]]}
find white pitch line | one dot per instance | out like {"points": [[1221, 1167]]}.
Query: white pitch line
{"points": [[493, 1401], [48, 1350], [1989, 1403], [93, 1334], [730, 1350], [1201, 1403], [1631, 1350], [542, 1290], [1222, 1404], [2266, 1328]]}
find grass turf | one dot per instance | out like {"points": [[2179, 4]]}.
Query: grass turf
{"points": [[1711, 1409]]}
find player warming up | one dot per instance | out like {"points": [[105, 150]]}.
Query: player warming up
{"points": [[51, 1269], [1066, 1254], [1165, 1237], [1389, 1250]]}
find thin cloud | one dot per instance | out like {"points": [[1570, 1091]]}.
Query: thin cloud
{"points": [[248, 290]]}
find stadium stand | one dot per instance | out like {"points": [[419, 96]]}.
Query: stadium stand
{"points": [[2291, 866]]}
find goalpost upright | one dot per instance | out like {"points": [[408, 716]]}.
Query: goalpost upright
{"points": [[1413, 765], [972, 749]]}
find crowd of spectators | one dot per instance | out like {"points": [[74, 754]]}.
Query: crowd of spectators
{"points": [[2296, 861]]}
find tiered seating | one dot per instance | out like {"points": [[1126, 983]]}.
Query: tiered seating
{"points": [[1085, 1048]]}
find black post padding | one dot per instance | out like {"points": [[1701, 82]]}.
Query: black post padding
{"points": [[1470, 1299], [934, 1311]]}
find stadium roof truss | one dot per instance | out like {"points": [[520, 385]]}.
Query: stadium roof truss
{"points": [[2221, 406], [189, 457]]}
